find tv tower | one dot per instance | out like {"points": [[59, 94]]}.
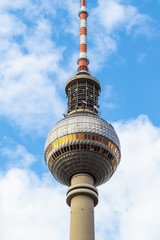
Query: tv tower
{"points": [[82, 150]]}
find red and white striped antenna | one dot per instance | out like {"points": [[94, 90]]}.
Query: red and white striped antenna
{"points": [[83, 60]]}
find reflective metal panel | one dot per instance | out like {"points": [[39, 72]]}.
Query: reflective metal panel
{"points": [[77, 123]]}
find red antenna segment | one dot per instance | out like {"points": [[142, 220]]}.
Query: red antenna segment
{"points": [[83, 60]]}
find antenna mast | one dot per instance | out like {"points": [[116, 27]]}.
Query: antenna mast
{"points": [[83, 60]]}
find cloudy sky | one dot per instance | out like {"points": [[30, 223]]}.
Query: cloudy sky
{"points": [[39, 46]]}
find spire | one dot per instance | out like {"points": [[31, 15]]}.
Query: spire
{"points": [[83, 60]]}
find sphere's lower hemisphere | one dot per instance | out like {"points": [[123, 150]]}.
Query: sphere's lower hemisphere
{"points": [[77, 162]]}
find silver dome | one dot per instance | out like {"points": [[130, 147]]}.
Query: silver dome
{"points": [[77, 123]]}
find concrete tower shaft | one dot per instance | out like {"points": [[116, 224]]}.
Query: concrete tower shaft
{"points": [[82, 197]]}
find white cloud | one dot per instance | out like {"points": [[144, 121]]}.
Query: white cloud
{"points": [[115, 14], [31, 208], [105, 23], [10, 25], [17, 4], [15, 155], [27, 95], [34, 208], [129, 203], [103, 46], [71, 24], [30, 72]]}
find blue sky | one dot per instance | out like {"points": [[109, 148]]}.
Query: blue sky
{"points": [[39, 46]]}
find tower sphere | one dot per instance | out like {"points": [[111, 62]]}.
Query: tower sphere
{"points": [[82, 143]]}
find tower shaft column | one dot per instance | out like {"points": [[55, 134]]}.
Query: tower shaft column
{"points": [[82, 196]]}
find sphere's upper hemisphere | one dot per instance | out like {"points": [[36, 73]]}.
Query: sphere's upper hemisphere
{"points": [[82, 143], [82, 123]]}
